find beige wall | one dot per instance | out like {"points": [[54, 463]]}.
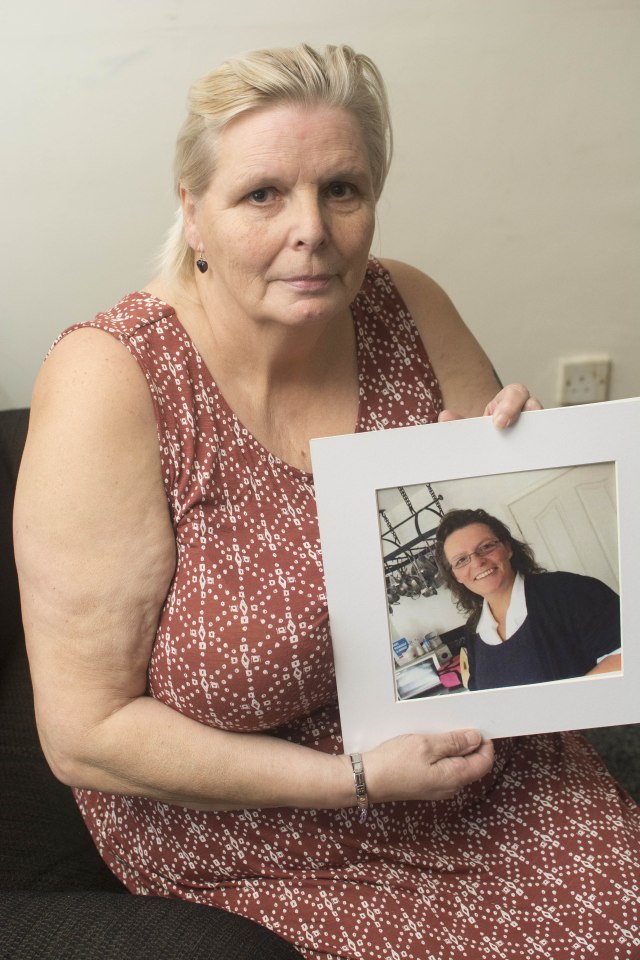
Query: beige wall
{"points": [[516, 180]]}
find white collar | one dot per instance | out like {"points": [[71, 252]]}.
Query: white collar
{"points": [[487, 628]]}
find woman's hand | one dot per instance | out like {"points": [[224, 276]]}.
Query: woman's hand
{"points": [[505, 408], [426, 766]]}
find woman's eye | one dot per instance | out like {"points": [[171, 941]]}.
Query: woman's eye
{"points": [[261, 195], [340, 190]]}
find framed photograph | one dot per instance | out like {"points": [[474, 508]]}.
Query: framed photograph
{"points": [[520, 615]]}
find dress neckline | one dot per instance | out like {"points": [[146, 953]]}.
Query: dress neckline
{"points": [[170, 313]]}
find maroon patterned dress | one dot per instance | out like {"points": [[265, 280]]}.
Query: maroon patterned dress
{"points": [[541, 859]]}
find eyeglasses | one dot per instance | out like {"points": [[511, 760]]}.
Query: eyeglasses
{"points": [[482, 550]]}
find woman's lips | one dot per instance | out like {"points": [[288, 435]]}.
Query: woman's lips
{"points": [[309, 283], [485, 573]]}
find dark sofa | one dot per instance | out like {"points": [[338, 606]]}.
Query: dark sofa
{"points": [[57, 898]]}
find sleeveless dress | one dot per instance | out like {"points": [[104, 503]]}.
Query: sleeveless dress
{"points": [[540, 859]]}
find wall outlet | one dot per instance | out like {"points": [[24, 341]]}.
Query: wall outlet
{"points": [[584, 380]]}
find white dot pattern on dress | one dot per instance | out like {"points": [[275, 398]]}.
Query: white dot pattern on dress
{"points": [[541, 859]]}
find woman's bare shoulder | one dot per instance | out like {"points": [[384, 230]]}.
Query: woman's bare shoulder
{"points": [[415, 286], [431, 308], [92, 456], [464, 372], [89, 379]]}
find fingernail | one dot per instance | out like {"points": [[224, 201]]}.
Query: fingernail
{"points": [[501, 421], [473, 738]]}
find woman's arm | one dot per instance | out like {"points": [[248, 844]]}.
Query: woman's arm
{"points": [[465, 672], [608, 664], [467, 379], [96, 555]]}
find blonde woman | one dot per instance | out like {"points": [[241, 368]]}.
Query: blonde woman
{"points": [[171, 573]]}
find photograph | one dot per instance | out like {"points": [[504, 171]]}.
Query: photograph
{"points": [[493, 586], [502, 580]]}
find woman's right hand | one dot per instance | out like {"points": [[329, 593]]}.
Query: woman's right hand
{"points": [[426, 766]]}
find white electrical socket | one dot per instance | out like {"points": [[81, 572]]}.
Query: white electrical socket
{"points": [[584, 380]]}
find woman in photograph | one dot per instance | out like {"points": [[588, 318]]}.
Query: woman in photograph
{"points": [[171, 572], [524, 625]]}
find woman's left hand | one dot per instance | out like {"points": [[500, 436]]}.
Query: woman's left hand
{"points": [[505, 408]]}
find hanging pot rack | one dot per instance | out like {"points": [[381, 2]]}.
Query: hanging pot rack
{"points": [[405, 551]]}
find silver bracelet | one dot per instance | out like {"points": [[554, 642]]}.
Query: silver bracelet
{"points": [[362, 797]]}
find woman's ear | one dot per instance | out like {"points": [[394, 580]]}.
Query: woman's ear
{"points": [[188, 205]]}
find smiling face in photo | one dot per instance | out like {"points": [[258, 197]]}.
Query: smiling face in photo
{"points": [[487, 574]]}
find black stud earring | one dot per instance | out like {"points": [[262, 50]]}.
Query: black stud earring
{"points": [[202, 264]]}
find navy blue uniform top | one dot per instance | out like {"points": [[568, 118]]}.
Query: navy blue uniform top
{"points": [[572, 621]]}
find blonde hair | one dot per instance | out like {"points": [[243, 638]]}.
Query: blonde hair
{"points": [[337, 77]]}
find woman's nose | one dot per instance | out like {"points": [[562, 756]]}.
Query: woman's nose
{"points": [[478, 561], [308, 227]]}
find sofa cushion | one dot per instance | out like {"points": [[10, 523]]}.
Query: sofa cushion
{"points": [[104, 926], [13, 430], [44, 844]]}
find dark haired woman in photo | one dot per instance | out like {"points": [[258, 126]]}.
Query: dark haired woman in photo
{"points": [[525, 625]]}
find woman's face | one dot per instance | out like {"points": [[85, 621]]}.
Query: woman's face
{"points": [[487, 575], [287, 221]]}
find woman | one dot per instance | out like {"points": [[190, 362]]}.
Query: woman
{"points": [[525, 625], [169, 556]]}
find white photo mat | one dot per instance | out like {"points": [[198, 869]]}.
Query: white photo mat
{"points": [[348, 473]]}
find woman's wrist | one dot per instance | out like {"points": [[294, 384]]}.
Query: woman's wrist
{"points": [[350, 788], [340, 788], [360, 786]]}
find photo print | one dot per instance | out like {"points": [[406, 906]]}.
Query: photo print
{"points": [[563, 483]]}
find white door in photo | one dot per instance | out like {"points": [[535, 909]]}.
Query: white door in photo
{"points": [[570, 521]]}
